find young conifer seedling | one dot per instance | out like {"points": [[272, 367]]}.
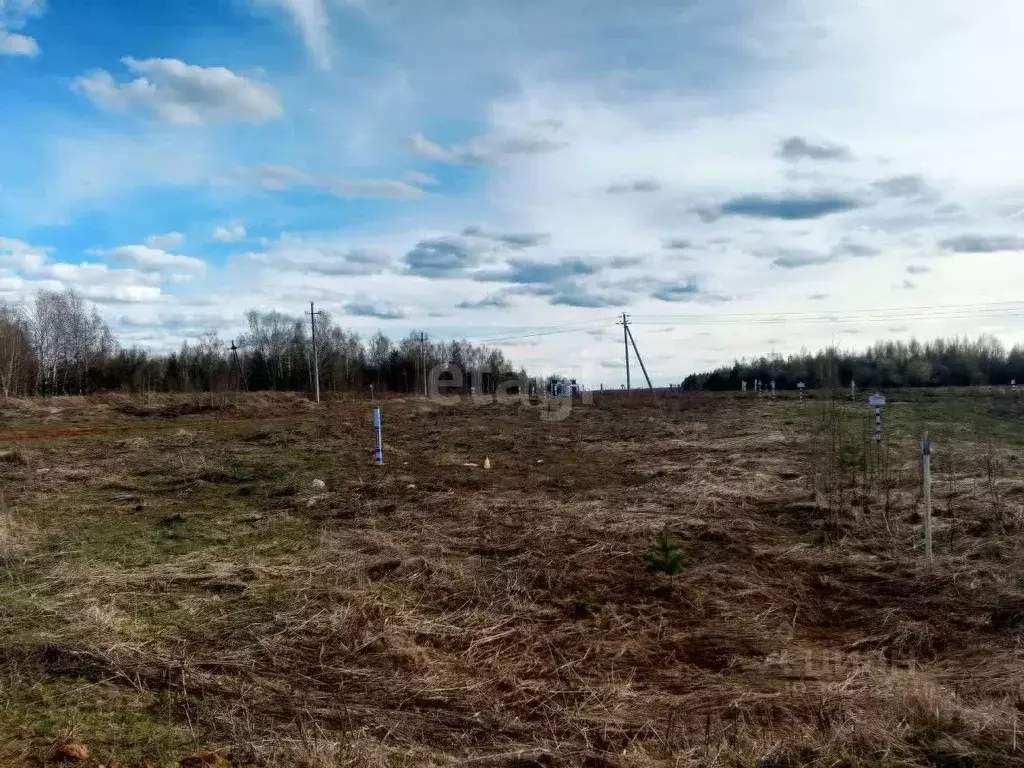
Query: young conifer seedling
{"points": [[666, 557]]}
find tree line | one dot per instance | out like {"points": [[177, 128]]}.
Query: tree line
{"points": [[955, 362], [57, 344]]}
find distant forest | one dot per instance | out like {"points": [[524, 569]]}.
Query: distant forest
{"points": [[57, 344], [956, 362]]}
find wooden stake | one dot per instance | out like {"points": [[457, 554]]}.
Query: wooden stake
{"points": [[926, 469]]}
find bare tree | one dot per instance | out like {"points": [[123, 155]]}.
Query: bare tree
{"points": [[14, 348]]}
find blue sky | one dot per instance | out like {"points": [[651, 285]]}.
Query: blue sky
{"points": [[737, 175]]}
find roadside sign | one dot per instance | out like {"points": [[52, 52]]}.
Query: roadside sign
{"points": [[876, 400], [801, 385]]}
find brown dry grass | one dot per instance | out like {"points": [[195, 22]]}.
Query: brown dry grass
{"points": [[187, 588]]}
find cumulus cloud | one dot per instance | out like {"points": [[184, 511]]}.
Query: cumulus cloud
{"points": [[793, 258], [441, 257], [686, 291], [229, 233], [280, 178], [853, 248], [486, 149], [786, 207], [17, 254], [518, 240], [584, 299], [319, 256], [101, 283], [637, 185], [147, 257], [183, 94], [494, 301], [163, 242], [373, 309], [526, 272], [14, 15], [16, 44], [978, 243], [797, 148], [910, 185]]}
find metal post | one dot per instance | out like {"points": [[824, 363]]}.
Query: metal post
{"points": [[876, 401], [926, 473], [378, 451]]}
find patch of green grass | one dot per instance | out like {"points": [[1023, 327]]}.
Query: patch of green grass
{"points": [[115, 723]]}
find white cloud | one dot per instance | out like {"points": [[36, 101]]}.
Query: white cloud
{"points": [[373, 188], [278, 178], [325, 256], [87, 273], [148, 258], [420, 179], [16, 254], [16, 44], [313, 22], [183, 94], [230, 233], [101, 283], [14, 14], [163, 242], [485, 149]]}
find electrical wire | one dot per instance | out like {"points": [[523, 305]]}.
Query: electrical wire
{"points": [[547, 330], [989, 306], [887, 315]]}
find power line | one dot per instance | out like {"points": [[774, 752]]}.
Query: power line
{"points": [[551, 331], [769, 319], [988, 306]]}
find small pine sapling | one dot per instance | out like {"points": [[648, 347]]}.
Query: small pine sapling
{"points": [[666, 557]]}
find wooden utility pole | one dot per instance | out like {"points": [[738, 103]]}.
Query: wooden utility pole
{"points": [[316, 361], [625, 344]]}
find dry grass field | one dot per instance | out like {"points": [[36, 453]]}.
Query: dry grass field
{"points": [[176, 590]]}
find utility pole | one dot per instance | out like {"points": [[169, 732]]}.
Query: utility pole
{"points": [[640, 359], [423, 361], [238, 365], [625, 344], [316, 361]]}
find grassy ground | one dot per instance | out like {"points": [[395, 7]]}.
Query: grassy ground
{"points": [[173, 586]]}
